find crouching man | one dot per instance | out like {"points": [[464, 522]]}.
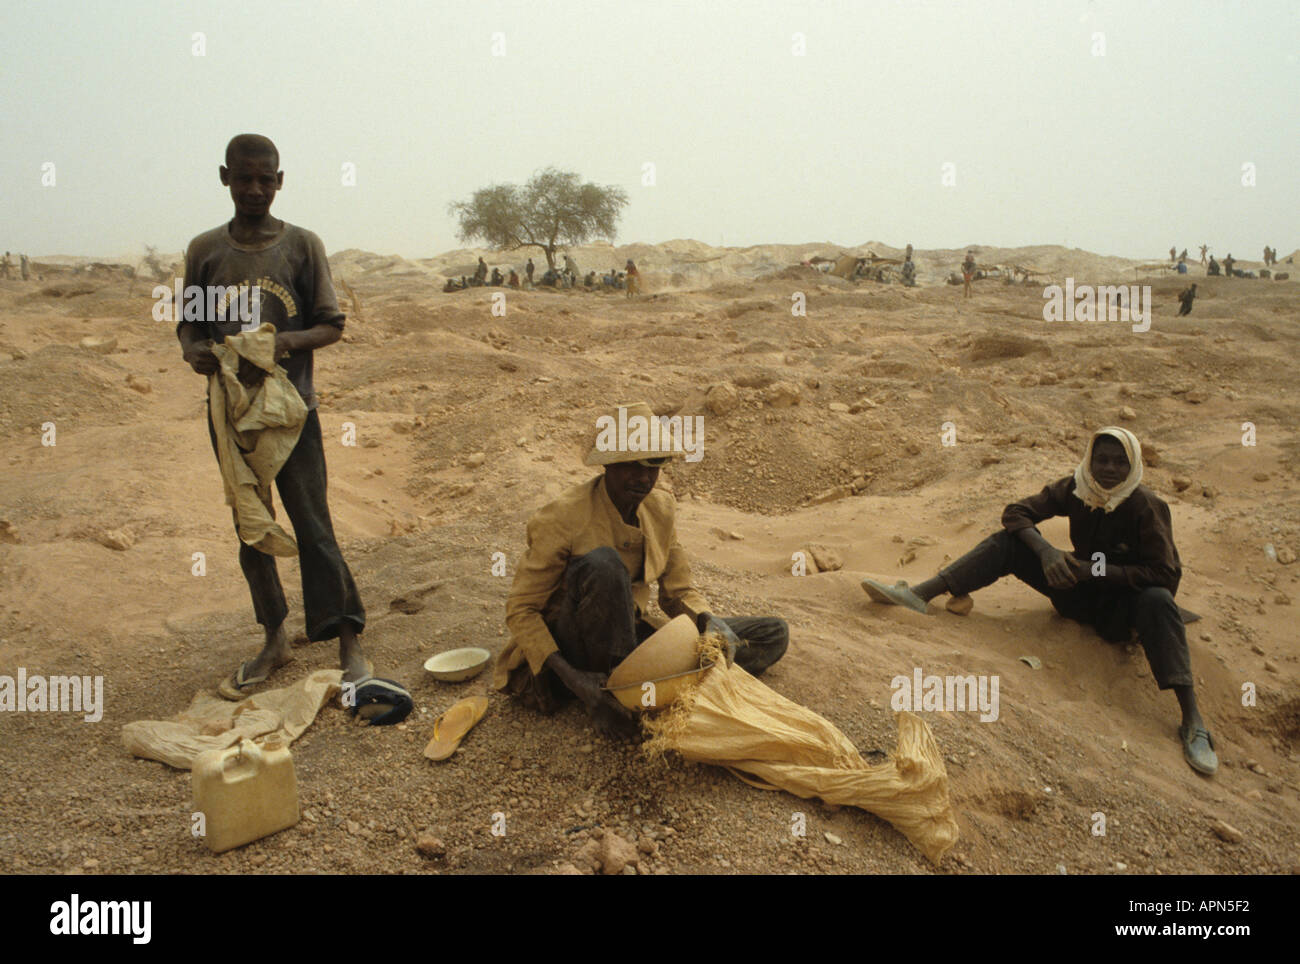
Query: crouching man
{"points": [[580, 599]]}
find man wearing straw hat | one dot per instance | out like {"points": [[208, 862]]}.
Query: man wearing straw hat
{"points": [[581, 595]]}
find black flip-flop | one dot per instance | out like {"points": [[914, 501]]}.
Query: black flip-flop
{"points": [[382, 701]]}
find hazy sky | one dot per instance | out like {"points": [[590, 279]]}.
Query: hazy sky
{"points": [[1123, 153]]}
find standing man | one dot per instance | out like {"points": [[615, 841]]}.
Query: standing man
{"points": [[288, 265], [967, 273], [1228, 262], [26, 266], [1204, 249], [528, 270]]}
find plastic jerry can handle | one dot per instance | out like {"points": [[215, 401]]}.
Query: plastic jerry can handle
{"points": [[241, 762]]}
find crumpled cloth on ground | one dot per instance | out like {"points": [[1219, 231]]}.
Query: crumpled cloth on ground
{"points": [[731, 719], [212, 723], [257, 429]]}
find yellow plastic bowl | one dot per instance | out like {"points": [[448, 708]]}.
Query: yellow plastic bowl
{"points": [[666, 690]]}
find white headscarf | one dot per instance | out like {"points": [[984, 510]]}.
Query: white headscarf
{"points": [[1087, 489]]}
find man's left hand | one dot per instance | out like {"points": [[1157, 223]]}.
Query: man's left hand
{"points": [[1081, 569], [709, 623]]}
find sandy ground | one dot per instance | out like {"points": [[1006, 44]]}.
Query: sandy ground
{"points": [[430, 379]]}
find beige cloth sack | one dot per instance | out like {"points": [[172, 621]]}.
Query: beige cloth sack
{"points": [[257, 430], [731, 719], [212, 723]]}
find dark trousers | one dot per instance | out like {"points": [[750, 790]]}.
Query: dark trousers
{"points": [[1114, 611], [595, 628], [328, 592]]}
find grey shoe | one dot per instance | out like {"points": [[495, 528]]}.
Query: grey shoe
{"points": [[896, 595], [1198, 749]]}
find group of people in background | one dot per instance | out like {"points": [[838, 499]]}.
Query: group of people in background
{"points": [[7, 266], [1215, 269], [570, 276]]}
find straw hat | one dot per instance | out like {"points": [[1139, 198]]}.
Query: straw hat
{"points": [[631, 432]]}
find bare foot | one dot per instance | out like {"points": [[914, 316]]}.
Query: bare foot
{"points": [[275, 653], [352, 660]]}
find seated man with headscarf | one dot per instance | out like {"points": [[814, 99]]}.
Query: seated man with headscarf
{"points": [[1120, 576], [581, 596]]}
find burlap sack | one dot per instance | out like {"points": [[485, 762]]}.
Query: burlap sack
{"points": [[731, 719]]}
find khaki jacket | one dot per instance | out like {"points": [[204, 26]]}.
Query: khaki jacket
{"points": [[580, 520]]}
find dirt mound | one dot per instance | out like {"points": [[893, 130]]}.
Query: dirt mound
{"points": [[889, 426]]}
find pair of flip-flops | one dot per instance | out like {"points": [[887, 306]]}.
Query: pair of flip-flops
{"points": [[235, 687], [450, 728]]}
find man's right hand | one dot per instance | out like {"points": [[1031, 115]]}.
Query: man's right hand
{"points": [[201, 357], [1057, 569], [611, 717]]}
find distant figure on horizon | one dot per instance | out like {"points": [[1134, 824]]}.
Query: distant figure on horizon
{"points": [[1228, 262], [907, 255], [26, 267], [967, 273], [1204, 249], [633, 279], [1173, 253], [1213, 270], [1185, 299], [5, 266], [529, 268], [481, 272]]}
